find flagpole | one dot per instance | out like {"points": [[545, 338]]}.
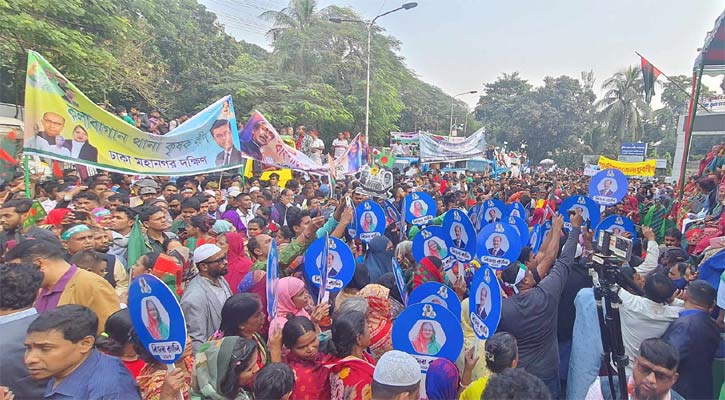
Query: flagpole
{"points": [[26, 174], [675, 84]]}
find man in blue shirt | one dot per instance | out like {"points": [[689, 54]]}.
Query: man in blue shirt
{"points": [[59, 346], [696, 337]]}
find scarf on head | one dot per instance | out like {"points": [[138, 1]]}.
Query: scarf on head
{"points": [[237, 261], [379, 318], [426, 272], [441, 380], [287, 288], [378, 260]]}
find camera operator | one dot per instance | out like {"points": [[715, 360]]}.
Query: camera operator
{"points": [[531, 314], [648, 316]]}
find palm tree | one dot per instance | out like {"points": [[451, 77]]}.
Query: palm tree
{"points": [[623, 107], [298, 15]]}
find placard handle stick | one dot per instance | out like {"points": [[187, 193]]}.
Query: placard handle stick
{"points": [[169, 369], [475, 345]]}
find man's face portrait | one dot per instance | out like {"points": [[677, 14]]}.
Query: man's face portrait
{"points": [[223, 136], [497, 242], [262, 134], [53, 123]]}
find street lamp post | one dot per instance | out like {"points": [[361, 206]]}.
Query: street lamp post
{"points": [[406, 6], [453, 100]]}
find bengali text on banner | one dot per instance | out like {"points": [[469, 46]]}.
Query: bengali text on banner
{"points": [[645, 168]]}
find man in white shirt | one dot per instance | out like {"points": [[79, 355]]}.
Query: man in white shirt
{"points": [[244, 208], [317, 147], [648, 316], [339, 145]]}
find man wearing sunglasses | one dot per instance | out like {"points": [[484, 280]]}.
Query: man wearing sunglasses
{"points": [[205, 294]]}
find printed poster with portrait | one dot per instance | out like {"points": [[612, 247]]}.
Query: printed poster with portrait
{"points": [[420, 208], [400, 281], [272, 279], [392, 215], [339, 262], [587, 206], [485, 303], [535, 238], [493, 211], [428, 331], [436, 293], [371, 220], [460, 235], [608, 187], [517, 209], [352, 226], [157, 318], [618, 225], [498, 245], [522, 228], [544, 231], [431, 242], [473, 214]]}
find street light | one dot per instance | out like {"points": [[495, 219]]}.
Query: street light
{"points": [[453, 100], [406, 6]]}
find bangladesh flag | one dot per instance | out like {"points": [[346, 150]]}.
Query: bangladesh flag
{"points": [[384, 158], [649, 76]]}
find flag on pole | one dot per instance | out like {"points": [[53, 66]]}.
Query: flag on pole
{"points": [[649, 76]]}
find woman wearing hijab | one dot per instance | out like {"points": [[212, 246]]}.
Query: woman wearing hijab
{"points": [[430, 269], [378, 319], [238, 262], [396, 301], [360, 279], [425, 342], [379, 258], [442, 380], [223, 368], [292, 300]]}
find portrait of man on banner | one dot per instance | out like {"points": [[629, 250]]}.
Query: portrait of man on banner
{"points": [[221, 132]]}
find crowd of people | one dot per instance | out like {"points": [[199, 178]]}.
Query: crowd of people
{"points": [[64, 281]]}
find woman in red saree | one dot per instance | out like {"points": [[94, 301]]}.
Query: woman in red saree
{"points": [[351, 371], [379, 319]]}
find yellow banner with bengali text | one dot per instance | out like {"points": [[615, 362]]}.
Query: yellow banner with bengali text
{"points": [[645, 168]]}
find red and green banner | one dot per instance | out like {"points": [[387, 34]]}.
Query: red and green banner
{"points": [[649, 76]]}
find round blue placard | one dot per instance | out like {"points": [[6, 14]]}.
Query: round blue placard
{"points": [[459, 235], [392, 214], [485, 303], [493, 211], [436, 293], [340, 263], [617, 224], [400, 281], [590, 210], [420, 208], [157, 318], [428, 331], [431, 242], [371, 220], [517, 209], [608, 187], [473, 214], [498, 245], [522, 228]]}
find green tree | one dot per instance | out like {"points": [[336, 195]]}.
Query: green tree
{"points": [[623, 107]]}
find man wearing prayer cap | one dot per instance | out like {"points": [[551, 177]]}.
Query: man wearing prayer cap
{"points": [[396, 377]]}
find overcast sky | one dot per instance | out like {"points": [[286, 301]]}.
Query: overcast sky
{"points": [[458, 45]]}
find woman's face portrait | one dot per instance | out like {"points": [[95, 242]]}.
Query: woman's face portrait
{"points": [[80, 134], [427, 330], [153, 312]]}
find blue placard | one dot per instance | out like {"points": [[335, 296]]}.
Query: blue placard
{"points": [[618, 225], [473, 214], [436, 293], [493, 211], [420, 208], [535, 238], [352, 226], [498, 245], [608, 187], [392, 215], [522, 228], [340, 263], [428, 331], [485, 303], [517, 209], [272, 279], [459, 235], [590, 210], [371, 220], [400, 281], [431, 242], [157, 318], [322, 268]]}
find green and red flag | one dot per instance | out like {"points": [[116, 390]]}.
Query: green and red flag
{"points": [[649, 76], [384, 158]]}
